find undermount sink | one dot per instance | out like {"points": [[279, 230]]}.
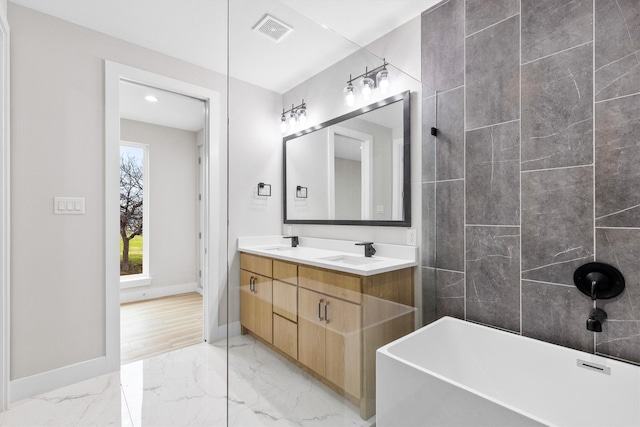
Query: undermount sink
{"points": [[355, 260]]}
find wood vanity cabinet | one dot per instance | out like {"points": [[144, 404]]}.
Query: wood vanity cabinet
{"points": [[256, 296], [329, 338], [331, 323]]}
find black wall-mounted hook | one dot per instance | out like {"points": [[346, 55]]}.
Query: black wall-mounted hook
{"points": [[434, 131], [598, 280]]}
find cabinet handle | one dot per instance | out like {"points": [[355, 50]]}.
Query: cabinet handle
{"points": [[252, 284], [326, 312], [320, 309]]}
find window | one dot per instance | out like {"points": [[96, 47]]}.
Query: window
{"points": [[134, 202]]}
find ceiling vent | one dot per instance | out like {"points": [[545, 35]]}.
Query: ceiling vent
{"points": [[273, 28]]}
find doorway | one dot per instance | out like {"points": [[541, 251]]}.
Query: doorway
{"points": [[350, 173], [206, 154], [161, 134]]}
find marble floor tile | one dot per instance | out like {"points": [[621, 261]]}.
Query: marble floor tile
{"points": [[188, 387], [97, 401]]}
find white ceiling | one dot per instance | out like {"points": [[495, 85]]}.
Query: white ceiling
{"points": [[170, 110], [325, 31]]}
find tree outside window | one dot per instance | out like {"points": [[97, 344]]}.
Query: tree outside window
{"points": [[131, 209]]}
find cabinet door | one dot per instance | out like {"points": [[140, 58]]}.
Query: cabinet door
{"points": [[263, 308], [311, 330], [342, 345], [256, 308], [247, 300]]}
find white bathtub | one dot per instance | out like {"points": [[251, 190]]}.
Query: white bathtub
{"points": [[456, 373]]}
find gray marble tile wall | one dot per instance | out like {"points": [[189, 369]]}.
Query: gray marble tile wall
{"points": [[534, 171]]}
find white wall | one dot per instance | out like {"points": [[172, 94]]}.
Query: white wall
{"points": [[173, 215], [57, 122], [308, 161], [58, 308], [255, 155], [323, 96]]}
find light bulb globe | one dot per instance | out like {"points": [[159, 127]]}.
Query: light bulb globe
{"points": [[366, 88], [349, 93], [383, 80], [302, 115]]}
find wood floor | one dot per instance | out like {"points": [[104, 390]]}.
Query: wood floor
{"points": [[159, 325]]}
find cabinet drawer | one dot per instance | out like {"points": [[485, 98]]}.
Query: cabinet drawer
{"points": [[285, 271], [330, 282], [285, 300], [285, 336], [256, 264]]}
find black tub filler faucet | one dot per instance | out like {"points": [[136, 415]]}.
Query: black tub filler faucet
{"points": [[598, 281]]}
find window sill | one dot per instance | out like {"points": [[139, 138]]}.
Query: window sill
{"points": [[134, 281]]}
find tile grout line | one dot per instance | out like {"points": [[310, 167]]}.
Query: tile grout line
{"points": [[548, 283], [616, 97], [444, 91], [555, 53], [520, 165], [486, 28], [492, 125], [493, 225], [464, 153], [593, 141], [590, 165], [606, 227]]}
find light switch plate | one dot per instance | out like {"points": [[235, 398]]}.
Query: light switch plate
{"points": [[68, 205], [412, 237]]}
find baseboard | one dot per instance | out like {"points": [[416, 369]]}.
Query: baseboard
{"points": [[163, 291], [51, 380]]}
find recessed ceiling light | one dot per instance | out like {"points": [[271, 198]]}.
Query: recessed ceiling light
{"points": [[151, 98]]}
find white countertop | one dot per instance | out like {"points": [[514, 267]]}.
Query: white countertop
{"points": [[340, 255]]}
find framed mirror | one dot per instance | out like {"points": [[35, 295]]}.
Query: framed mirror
{"points": [[352, 170]]}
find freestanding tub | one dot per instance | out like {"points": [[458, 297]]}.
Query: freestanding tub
{"points": [[456, 373]]}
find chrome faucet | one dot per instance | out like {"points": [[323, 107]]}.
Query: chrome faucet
{"points": [[369, 250]]}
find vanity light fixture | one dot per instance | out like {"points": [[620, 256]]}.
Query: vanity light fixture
{"points": [[368, 85], [293, 116]]}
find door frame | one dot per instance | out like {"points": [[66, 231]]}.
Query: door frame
{"points": [[214, 220]]}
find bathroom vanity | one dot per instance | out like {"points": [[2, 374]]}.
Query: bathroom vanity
{"points": [[326, 309]]}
